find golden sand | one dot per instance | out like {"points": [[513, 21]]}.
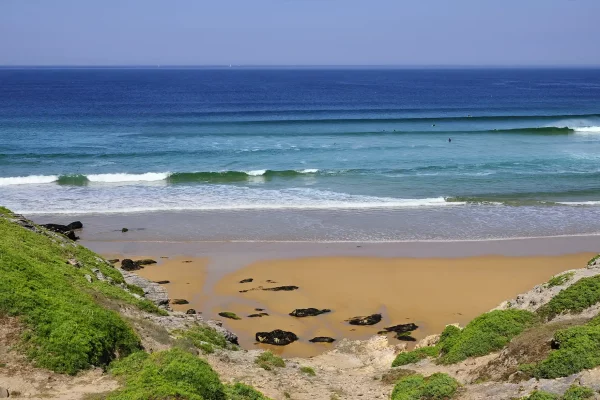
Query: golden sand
{"points": [[429, 292]]}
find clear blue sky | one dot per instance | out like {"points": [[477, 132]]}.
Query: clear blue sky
{"points": [[300, 32]]}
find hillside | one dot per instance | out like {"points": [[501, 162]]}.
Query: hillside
{"points": [[72, 326]]}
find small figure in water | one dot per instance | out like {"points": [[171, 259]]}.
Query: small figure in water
{"points": [[449, 140]]}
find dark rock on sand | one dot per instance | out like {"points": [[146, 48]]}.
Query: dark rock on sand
{"points": [[63, 229], [191, 311], [124, 230], [162, 282], [75, 225], [247, 280], [401, 328], [322, 339], [282, 288], [145, 261], [259, 315], [405, 337], [130, 265], [229, 314], [113, 260], [276, 337], [179, 301], [368, 320], [71, 235], [259, 309], [308, 312]]}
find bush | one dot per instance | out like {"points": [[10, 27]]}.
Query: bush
{"points": [[66, 328], [582, 294], [205, 338], [268, 361], [578, 349], [239, 391], [414, 356], [171, 374], [487, 333], [416, 387], [560, 279], [593, 260], [578, 393], [540, 395], [308, 371]]}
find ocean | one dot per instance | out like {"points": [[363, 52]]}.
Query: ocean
{"points": [[307, 154]]}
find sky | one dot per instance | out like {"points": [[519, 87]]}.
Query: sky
{"points": [[300, 32]]}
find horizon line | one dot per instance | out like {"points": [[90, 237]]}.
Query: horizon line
{"points": [[299, 66]]}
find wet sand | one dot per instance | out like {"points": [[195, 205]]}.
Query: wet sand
{"points": [[430, 292]]}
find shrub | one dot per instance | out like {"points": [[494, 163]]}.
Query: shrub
{"points": [[578, 349], [560, 279], [240, 391], [582, 294], [205, 338], [540, 395], [487, 333], [308, 371], [593, 260], [414, 356], [171, 374], [66, 328], [416, 387], [578, 393], [268, 361]]}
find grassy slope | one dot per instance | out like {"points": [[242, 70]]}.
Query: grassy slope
{"points": [[70, 323]]}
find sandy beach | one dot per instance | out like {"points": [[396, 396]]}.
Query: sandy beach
{"points": [[430, 292]]}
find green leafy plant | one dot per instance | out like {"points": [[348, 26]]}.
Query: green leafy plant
{"points": [[416, 387], [308, 371], [582, 294], [268, 361], [240, 391], [414, 356], [560, 279]]}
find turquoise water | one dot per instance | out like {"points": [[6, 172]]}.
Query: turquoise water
{"points": [[524, 143]]}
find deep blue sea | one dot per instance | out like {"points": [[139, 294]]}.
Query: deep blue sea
{"points": [[458, 142]]}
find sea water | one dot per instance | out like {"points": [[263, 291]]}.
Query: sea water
{"points": [[337, 153]]}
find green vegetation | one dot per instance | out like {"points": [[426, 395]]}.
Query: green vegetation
{"points": [[268, 361], [414, 356], [239, 391], [66, 327], [171, 374], [416, 387], [229, 314], [578, 349], [582, 294], [308, 371], [560, 279], [573, 393], [205, 339], [578, 393], [540, 395], [593, 260], [487, 333]]}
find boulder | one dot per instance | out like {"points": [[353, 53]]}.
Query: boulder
{"points": [[247, 280], [191, 311], [124, 230], [179, 301], [322, 339], [276, 337], [130, 265], [229, 314], [282, 288], [4, 394], [308, 312], [402, 328], [162, 282], [368, 320], [145, 261], [405, 336], [75, 225], [259, 315], [259, 309], [71, 235], [57, 228]]}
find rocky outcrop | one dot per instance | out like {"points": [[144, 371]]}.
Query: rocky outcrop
{"points": [[308, 312], [190, 311], [129, 265], [368, 320], [63, 229], [152, 291], [402, 328], [322, 339], [276, 337]]}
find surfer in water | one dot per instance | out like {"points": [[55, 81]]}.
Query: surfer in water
{"points": [[449, 140]]}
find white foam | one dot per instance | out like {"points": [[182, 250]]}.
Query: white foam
{"points": [[579, 203], [258, 172], [28, 180], [309, 171], [587, 129], [115, 178]]}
